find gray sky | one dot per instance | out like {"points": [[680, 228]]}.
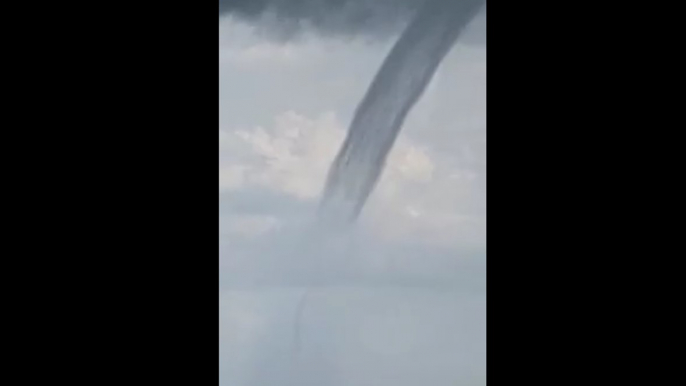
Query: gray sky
{"points": [[401, 299]]}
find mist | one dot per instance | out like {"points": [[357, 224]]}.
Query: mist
{"points": [[312, 306]]}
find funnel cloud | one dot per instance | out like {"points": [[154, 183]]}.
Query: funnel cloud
{"points": [[398, 85]]}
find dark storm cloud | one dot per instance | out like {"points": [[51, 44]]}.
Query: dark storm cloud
{"points": [[370, 18]]}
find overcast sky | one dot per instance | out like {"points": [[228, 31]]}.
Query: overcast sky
{"points": [[401, 299]]}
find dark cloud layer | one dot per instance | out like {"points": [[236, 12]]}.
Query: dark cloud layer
{"points": [[285, 19]]}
